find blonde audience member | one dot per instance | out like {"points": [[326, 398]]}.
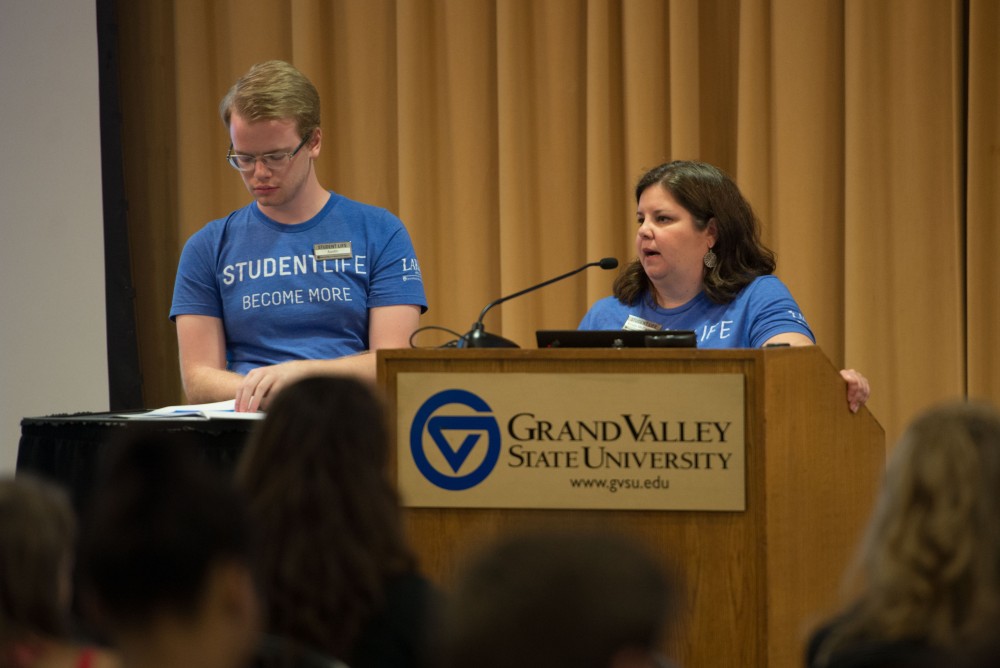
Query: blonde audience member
{"points": [[37, 530], [929, 567], [336, 572]]}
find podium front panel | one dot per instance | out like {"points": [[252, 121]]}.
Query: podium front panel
{"points": [[571, 441]]}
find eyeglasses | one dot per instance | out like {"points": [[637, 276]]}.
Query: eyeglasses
{"points": [[247, 163]]}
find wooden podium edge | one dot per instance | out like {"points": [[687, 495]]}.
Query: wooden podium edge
{"points": [[823, 469]]}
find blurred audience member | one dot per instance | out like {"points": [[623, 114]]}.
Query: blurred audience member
{"points": [[165, 563], [586, 600], [336, 572], [37, 530], [928, 571]]}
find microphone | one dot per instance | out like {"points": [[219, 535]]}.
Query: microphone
{"points": [[478, 337]]}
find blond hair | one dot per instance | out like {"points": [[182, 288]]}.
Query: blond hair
{"points": [[273, 90], [929, 566]]}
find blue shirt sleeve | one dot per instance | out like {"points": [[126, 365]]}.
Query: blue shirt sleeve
{"points": [[196, 291], [772, 311]]}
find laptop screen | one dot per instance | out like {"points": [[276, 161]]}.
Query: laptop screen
{"points": [[614, 338]]}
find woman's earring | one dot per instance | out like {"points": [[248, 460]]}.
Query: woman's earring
{"points": [[711, 259]]}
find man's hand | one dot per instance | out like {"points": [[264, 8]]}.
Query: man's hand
{"points": [[201, 340], [260, 385], [858, 389]]}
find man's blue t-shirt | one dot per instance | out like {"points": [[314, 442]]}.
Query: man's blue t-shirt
{"points": [[761, 310], [287, 292]]}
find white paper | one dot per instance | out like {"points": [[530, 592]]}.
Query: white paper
{"points": [[219, 409]]}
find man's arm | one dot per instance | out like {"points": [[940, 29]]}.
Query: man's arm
{"points": [[388, 327], [202, 345]]}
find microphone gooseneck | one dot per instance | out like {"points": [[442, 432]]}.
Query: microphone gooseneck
{"points": [[478, 337]]}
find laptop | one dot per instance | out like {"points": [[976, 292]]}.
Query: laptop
{"points": [[614, 338]]}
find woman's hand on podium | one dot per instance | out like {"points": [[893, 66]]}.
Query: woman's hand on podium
{"points": [[858, 389]]}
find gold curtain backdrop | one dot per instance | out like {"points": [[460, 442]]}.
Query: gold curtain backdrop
{"points": [[508, 134]]}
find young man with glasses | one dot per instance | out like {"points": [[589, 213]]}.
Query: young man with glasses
{"points": [[302, 281]]}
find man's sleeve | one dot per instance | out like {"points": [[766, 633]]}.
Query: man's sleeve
{"points": [[396, 277], [196, 291]]}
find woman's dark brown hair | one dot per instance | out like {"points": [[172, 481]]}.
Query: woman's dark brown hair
{"points": [[327, 516], [707, 193]]}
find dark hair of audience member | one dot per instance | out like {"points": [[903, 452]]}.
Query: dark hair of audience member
{"points": [[578, 599], [314, 475], [929, 566], [160, 519], [37, 531]]}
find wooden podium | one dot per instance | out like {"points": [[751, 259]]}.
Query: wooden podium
{"points": [[754, 581]]}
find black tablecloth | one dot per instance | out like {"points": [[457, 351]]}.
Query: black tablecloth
{"points": [[65, 448]]}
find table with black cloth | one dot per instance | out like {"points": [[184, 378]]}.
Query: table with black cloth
{"points": [[66, 448]]}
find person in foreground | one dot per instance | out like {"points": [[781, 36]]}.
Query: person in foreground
{"points": [[165, 559], [337, 575], [301, 281], [577, 598], [928, 569], [701, 266], [37, 530]]}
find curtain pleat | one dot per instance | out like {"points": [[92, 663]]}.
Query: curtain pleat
{"points": [[983, 200], [508, 135], [903, 275], [448, 152]]}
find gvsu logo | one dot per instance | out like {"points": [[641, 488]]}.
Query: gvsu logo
{"points": [[460, 428]]}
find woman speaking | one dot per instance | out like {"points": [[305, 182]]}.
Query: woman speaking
{"points": [[701, 266]]}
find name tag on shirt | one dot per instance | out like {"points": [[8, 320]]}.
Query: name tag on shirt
{"points": [[637, 324], [337, 250]]}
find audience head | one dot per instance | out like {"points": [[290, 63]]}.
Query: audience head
{"points": [[315, 476], [165, 553], [929, 566], [37, 530], [587, 600], [711, 197]]}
